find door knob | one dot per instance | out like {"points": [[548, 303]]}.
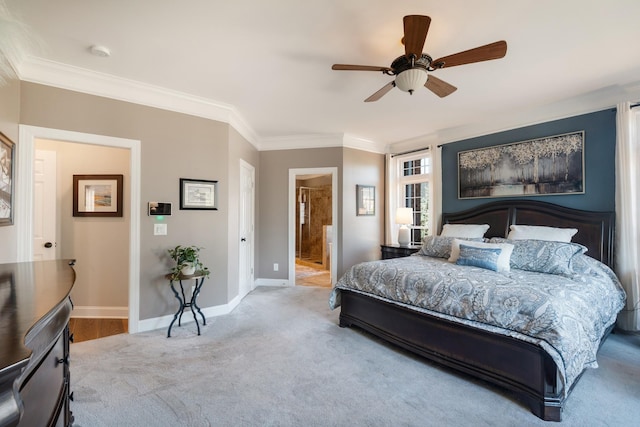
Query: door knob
{"points": [[48, 245], [243, 240]]}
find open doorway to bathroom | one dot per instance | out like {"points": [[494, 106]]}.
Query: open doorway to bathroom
{"points": [[313, 236]]}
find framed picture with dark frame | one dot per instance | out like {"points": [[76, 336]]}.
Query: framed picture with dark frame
{"points": [[365, 200], [198, 194], [97, 195], [6, 180]]}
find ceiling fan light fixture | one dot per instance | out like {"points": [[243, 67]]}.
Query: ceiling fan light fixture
{"points": [[411, 79]]}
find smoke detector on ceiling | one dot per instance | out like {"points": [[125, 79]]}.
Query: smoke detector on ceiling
{"points": [[101, 51]]}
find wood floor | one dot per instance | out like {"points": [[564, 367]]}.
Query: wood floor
{"points": [[90, 329], [312, 274]]}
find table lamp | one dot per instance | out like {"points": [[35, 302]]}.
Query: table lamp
{"points": [[404, 217]]}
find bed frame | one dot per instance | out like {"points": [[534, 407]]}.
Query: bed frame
{"points": [[524, 369]]}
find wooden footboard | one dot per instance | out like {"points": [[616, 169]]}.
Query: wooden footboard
{"points": [[520, 367]]}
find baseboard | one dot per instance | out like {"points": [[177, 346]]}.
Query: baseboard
{"points": [[88, 311], [164, 321], [273, 282], [187, 317]]}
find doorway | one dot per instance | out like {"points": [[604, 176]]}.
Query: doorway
{"points": [[312, 230], [24, 201]]}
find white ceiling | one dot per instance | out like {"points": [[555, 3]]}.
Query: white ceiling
{"points": [[269, 62]]}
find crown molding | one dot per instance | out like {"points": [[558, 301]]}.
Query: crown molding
{"points": [[293, 142], [63, 76], [352, 141], [50, 73]]}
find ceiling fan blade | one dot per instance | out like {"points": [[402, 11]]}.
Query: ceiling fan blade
{"points": [[359, 67], [382, 92], [483, 53], [415, 33], [439, 87]]}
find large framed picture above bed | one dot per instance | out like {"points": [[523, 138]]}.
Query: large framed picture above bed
{"points": [[543, 166]]}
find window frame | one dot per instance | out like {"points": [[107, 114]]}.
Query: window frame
{"points": [[401, 181]]}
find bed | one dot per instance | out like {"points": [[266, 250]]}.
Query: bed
{"points": [[531, 367]]}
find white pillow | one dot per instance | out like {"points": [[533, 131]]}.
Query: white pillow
{"points": [[504, 258], [536, 232], [464, 230]]}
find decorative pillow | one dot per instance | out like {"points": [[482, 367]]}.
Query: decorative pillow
{"points": [[479, 257], [542, 256], [438, 246], [536, 232], [503, 258], [464, 230]]}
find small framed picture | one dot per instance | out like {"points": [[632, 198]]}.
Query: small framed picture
{"points": [[198, 194], [6, 180], [97, 195], [365, 200]]}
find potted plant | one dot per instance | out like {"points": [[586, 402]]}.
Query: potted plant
{"points": [[187, 260]]}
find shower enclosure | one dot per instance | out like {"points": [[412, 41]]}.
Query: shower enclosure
{"points": [[313, 222]]}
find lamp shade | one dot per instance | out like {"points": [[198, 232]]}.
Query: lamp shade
{"points": [[404, 216], [411, 79]]}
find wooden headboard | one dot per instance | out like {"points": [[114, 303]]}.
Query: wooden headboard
{"points": [[595, 229]]}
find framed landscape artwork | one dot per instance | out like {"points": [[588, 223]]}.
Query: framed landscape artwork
{"points": [[543, 166], [6, 180], [97, 195]]}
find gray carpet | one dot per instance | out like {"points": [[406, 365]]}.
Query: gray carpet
{"points": [[279, 359]]}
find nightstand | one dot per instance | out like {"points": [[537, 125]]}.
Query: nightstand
{"points": [[397, 251]]}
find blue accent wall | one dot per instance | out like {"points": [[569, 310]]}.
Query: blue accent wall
{"points": [[599, 159]]}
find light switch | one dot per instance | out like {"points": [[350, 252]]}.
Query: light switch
{"points": [[159, 229]]}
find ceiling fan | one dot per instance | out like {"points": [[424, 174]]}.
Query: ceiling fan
{"points": [[412, 68]]}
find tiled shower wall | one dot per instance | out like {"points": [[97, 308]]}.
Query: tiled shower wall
{"points": [[318, 214]]}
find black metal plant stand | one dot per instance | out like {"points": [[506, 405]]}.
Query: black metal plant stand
{"points": [[199, 277]]}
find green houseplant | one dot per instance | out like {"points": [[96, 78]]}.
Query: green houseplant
{"points": [[187, 259]]}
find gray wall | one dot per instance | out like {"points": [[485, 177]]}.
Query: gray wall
{"points": [[173, 146], [362, 235], [274, 203], [359, 238], [9, 119]]}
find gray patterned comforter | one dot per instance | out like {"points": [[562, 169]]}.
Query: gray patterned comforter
{"points": [[566, 315]]}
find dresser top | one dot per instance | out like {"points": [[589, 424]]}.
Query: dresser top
{"points": [[29, 291]]}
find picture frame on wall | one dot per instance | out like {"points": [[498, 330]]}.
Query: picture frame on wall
{"points": [[365, 200], [552, 165], [198, 194], [6, 180], [97, 195]]}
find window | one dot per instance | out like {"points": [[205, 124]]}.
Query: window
{"points": [[414, 176]]}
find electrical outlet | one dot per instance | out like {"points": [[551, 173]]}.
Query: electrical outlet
{"points": [[275, 266]]}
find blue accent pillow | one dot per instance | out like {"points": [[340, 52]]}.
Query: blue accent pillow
{"points": [[486, 258]]}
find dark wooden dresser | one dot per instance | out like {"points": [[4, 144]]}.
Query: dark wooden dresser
{"points": [[34, 343], [397, 251]]}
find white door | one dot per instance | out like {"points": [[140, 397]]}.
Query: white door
{"points": [[44, 205], [246, 227]]}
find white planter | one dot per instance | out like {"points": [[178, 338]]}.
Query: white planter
{"points": [[188, 269]]}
